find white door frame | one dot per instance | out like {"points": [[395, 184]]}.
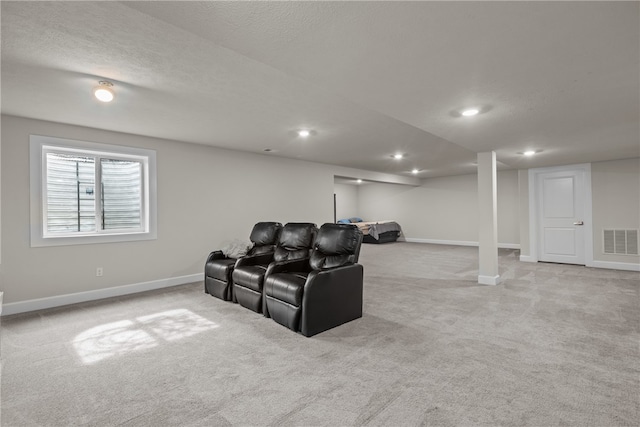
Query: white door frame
{"points": [[533, 210]]}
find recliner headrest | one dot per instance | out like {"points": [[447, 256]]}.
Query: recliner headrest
{"points": [[265, 233], [296, 240], [336, 245], [338, 239], [297, 235]]}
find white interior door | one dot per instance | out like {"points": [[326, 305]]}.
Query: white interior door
{"points": [[560, 216]]}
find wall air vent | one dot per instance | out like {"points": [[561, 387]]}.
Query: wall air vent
{"points": [[620, 242]]}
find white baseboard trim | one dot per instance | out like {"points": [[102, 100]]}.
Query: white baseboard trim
{"points": [[60, 300], [458, 242], [441, 242], [628, 266], [489, 280], [509, 245], [615, 265]]}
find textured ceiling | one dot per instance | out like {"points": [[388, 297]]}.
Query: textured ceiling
{"points": [[370, 78]]}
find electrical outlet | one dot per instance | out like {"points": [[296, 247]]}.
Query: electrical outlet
{"points": [[99, 272]]}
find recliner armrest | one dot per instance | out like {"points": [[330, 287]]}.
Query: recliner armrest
{"points": [[301, 265], [297, 265], [215, 255], [330, 277], [262, 259], [331, 297]]}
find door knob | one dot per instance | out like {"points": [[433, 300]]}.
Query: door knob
{"points": [[578, 223]]}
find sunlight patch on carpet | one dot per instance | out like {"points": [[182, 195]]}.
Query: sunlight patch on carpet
{"points": [[144, 332]]}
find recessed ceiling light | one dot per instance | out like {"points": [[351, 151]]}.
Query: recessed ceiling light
{"points": [[359, 181], [529, 153], [470, 112], [303, 133], [414, 171], [398, 156], [103, 91]]}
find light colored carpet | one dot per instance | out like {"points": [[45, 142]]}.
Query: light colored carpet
{"points": [[553, 345]]}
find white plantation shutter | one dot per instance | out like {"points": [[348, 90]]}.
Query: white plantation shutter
{"points": [[71, 203], [121, 194]]}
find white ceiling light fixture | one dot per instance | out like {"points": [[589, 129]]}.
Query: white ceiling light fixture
{"points": [[470, 112], [529, 153], [398, 156], [359, 181], [104, 92], [415, 171], [303, 133]]}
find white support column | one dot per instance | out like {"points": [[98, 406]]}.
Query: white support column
{"points": [[488, 273]]}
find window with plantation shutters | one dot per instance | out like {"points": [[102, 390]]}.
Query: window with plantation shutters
{"points": [[92, 191], [72, 205]]}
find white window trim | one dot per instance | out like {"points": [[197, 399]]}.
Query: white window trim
{"points": [[39, 145]]}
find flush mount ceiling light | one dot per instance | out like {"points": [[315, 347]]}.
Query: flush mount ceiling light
{"points": [[303, 133], [398, 156], [470, 112], [529, 153], [359, 181], [415, 171], [104, 92]]}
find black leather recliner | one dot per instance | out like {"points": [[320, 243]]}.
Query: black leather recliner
{"points": [[218, 268], [295, 242], [316, 294]]}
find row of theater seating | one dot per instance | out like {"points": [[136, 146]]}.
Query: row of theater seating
{"points": [[303, 278]]}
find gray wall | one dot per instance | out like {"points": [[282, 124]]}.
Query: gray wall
{"points": [[615, 189], [205, 196], [442, 208], [208, 195], [346, 200], [615, 192]]}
